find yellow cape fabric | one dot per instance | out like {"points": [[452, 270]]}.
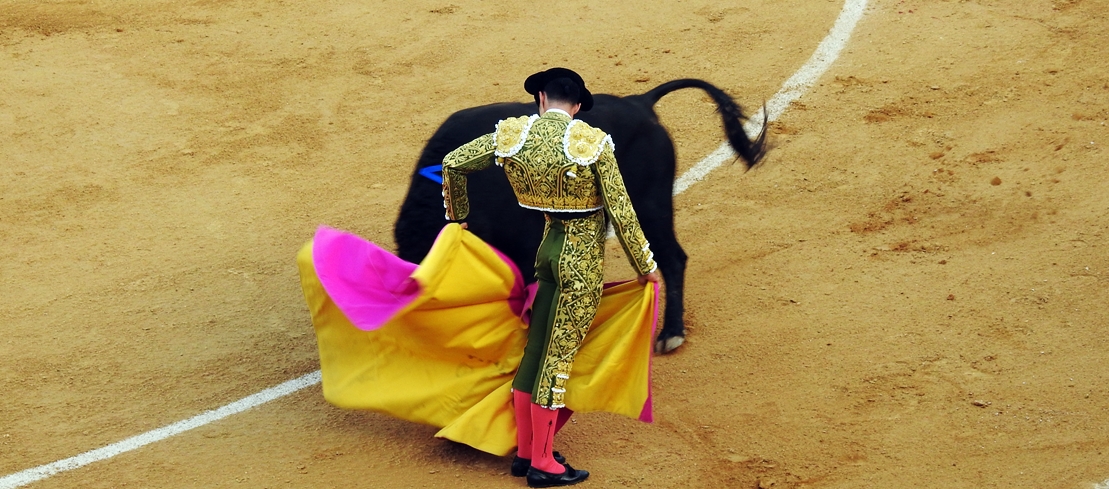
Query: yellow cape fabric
{"points": [[448, 358]]}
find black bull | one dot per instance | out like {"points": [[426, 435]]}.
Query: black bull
{"points": [[646, 158]]}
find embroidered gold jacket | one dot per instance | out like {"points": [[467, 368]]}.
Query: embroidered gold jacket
{"points": [[555, 164]]}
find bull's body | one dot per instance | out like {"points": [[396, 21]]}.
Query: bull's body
{"points": [[645, 154]]}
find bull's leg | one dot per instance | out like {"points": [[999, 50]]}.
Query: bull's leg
{"points": [[671, 262]]}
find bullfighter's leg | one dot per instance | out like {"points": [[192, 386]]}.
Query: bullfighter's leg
{"points": [[539, 333], [572, 258], [521, 402], [575, 250]]}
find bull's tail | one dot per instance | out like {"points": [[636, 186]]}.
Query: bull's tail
{"points": [[750, 150]]}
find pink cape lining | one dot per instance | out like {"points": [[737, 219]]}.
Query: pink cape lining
{"points": [[368, 284]]}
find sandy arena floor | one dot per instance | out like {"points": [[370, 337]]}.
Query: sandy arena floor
{"points": [[910, 292]]}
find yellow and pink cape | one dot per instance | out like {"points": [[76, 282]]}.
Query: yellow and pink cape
{"points": [[439, 343]]}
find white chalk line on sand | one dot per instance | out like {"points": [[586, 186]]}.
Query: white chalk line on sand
{"points": [[41, 472], [794, 87], [801, 81]]}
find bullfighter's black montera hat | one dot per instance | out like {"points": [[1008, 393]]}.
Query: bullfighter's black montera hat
{"points": [[535, 83]]}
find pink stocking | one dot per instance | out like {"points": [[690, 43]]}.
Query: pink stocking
{"points": [[543, 423], [522, 403]]}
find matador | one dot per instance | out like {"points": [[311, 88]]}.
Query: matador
{"points": [[566, 169]]}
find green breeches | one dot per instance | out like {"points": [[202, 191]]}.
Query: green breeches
{"points": [[570, 270]]}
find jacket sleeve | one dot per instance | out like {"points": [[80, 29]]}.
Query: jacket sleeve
{"points": [[470, 157], [622, 215]]}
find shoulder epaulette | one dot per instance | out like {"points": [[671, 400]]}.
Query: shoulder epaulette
{"points": [[510, 134], [583, 143]]}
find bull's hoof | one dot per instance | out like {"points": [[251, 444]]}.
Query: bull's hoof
{"points": [[669, 344]]}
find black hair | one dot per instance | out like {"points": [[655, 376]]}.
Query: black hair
{"points": [[562, 90]]}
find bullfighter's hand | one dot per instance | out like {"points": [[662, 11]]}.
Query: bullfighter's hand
{"points": [[650, 277], [464, 225]]}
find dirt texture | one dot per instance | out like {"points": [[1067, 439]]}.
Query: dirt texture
{"points": [[909, 292]]}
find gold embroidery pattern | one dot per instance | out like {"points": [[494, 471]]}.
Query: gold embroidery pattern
{"points": [[544, 178], [622, 214], [470, 157], [580, 273], [583, 144], [510, 134]]}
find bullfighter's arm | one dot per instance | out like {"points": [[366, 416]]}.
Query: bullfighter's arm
{"points": [[622, 214], [470, 157]]}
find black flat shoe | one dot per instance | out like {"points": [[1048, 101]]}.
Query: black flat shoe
{"points": [[520, 466], [538, 478]]}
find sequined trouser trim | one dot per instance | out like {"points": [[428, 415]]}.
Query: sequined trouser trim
{"points": [[570, 270]]}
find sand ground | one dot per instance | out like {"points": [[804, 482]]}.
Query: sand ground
{"points": [[910, 292]]}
